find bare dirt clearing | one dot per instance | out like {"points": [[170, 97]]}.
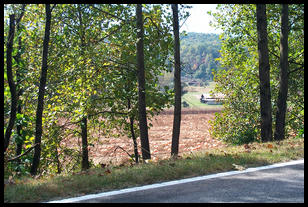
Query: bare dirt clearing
{"points": [[194, 137]]}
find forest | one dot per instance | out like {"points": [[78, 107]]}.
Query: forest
{"points": [[71, 69], [199, 53]]}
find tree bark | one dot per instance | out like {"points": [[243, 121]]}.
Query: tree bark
{"points": [[18, 86], [177, 84], [145, 147], [40, 104], [284, 67], [19, 143], [84, 137], [264, 75], [12, 85], [132, 131]]}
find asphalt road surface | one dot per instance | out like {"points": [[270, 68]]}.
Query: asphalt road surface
{"points": [[276, 185]]}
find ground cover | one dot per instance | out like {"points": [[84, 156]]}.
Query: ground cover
{"points": [[106, 178]]}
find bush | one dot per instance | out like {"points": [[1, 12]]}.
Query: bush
{"points": [[185, 104]]}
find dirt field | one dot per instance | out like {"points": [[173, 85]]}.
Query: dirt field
{"points": [[194, 137]]}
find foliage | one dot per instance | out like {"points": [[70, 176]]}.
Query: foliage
{"points": [[91, 73], [198, 58], [198, 54], [240, 118]]}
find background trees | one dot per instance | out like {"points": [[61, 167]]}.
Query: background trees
{"points": [[198, 54]]}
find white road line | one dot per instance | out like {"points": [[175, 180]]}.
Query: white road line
{"points": [[175, 182]]}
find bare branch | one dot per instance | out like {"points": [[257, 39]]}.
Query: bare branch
{"points": [[26, 152], [296, 69]]}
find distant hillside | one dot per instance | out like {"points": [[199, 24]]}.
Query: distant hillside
{"points": [[198, 53]]}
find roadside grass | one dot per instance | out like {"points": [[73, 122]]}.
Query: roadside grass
{"points": [[95, 180]]}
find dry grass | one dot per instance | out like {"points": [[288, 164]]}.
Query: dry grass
{"points": [[100, 179]]}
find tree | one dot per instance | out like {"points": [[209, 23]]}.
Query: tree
{"points": [[264, 74], [40, 104], [85, 159], [11, 82], [239, 121], [145, 147], [91, 74], [283, 87], [177, 84]]}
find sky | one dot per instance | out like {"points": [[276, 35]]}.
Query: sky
{"points": [[198, 21]]}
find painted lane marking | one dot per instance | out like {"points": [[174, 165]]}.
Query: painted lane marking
{"points": [[175, 182]]}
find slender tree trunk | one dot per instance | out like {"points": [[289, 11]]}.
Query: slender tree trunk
{"points": [[19, 143], [264, 75], [12, 85], [177, 84], [145, 147], [85, 158], [131, 119], [284, 67], [19, 87], [84, 137], [132, 131], [40, 104]]}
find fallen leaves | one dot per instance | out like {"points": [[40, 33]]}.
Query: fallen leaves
{"points": [[238, 167], [107, 171]]}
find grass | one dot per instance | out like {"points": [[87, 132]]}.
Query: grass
{"points": [[105, 179], [193, 95]]}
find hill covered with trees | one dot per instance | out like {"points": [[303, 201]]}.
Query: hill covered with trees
{"points": [[198, 54]]}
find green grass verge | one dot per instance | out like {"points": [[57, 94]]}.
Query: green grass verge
{"points": [[105, 179]]}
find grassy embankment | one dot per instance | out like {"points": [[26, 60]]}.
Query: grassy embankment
{"points": [[96, 180]]}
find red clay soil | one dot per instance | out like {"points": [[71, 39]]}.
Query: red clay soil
{"points": [[194, 136]]}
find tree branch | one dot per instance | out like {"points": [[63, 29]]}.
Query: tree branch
{"points": [[296, 69], [158, 30], [26, 152], [107, 13]]}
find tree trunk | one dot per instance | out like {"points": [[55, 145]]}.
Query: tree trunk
{"points": [[177, 84], [143, 126], [40, 104], [132, 131], [264, 75], [19, 143], [283, 87], [18, 86], [12, 85], [84, 136]]}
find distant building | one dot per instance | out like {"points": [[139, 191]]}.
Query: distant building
{"points": [[217, 99]]}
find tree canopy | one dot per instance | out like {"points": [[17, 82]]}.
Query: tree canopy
{"points": [[239, 121]]}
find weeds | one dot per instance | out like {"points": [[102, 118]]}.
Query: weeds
{"points": [[191, 164]]}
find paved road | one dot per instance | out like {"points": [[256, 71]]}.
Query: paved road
{"points": [[278, 185]]}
